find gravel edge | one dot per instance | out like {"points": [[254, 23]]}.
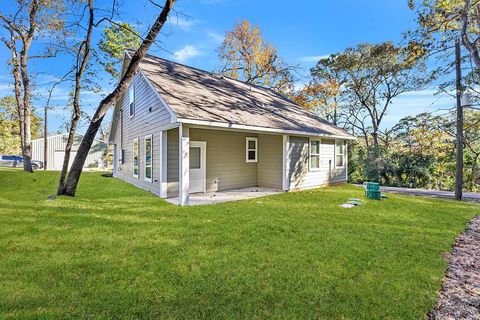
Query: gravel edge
{"points": [[459, 297]]}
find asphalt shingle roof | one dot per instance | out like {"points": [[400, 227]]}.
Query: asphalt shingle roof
{"points": [[200, 95]]}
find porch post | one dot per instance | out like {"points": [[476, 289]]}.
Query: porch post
{"points": [[345, 151], [115, 160], [163, 164], [183, 165], [285, 163]]}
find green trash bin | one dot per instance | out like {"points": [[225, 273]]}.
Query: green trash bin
{"points": [[372, 190], [372, 186], [375, 195]]}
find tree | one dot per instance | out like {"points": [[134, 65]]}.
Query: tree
{"points": [[82, 57], [372, 76], [29, 20], [75, 171], [328, 85], [9, 127], [246, 56], [442, 22], [115, 40]]}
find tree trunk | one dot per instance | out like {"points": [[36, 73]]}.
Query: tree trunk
{"points": [[76, 98], [459, 124], [375, 141], [45, 136], [17, 88], [87, 141]]}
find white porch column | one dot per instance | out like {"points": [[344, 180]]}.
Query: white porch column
{"points": [[115, 160], [286, 163], [345, 151], [183, 165], [163, 164]]}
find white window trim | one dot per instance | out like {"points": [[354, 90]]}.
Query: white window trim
{"points": [[310, 153], [133, 158], [247, 140], [131, 89], [335, 155], [150, 136]]}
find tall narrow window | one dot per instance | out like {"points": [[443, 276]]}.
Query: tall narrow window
{"points": [[339, 153], [135, 158], [131, 100], [148, 158], [252, 149], [314, 154]]}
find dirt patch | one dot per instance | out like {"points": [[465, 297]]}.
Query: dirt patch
{"points": [[459, 297]]}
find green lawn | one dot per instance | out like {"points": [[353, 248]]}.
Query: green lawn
{"points": [[118, 252]]}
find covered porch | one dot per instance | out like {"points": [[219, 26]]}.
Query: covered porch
{"points": [[205, 166]]}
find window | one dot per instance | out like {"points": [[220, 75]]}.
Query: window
{"points": [[131, 100], [195, 157], [339, 153], [252, 149], [314, 154], [135, 158], [148, 158]]}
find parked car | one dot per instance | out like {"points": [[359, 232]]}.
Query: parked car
{"points": [[8, 161]]}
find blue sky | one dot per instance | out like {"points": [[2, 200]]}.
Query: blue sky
{"points": [[302, 31]]}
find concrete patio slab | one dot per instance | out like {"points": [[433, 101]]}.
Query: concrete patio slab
{"points": [[227, 195]]}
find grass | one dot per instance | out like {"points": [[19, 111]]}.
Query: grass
{"points": [[115, 251]]}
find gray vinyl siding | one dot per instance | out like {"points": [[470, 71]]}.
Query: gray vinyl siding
{"points": [[226, 166], [58, 142], [226, 159], [172, 162], [150, 115], [299, 175], [270, 161]]}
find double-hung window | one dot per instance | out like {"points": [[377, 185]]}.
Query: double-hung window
{"points": [[251, 149], [131, 100], [135, 158], [314, 155], [339, 153], [148, 158]]}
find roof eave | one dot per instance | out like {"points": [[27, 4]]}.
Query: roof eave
{"points": [[241, 127]]}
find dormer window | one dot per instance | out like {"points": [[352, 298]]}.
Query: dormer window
{"points": [[131, 100]]}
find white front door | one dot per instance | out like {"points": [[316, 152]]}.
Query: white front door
{"points": [[198, 158]]}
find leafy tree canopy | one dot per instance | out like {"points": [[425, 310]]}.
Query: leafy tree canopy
{"points": [[115, 40], [246, 56]]}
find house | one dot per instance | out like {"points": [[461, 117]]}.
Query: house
{"points": [[56, 151], [180, 130]]}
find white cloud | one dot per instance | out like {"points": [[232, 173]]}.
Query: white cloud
{"points": [[6, 89], [183, 23], [312, 58], [46, 78], [187, 52], [216, 37]]}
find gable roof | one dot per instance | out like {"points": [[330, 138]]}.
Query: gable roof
{"points": [[198, 95]]}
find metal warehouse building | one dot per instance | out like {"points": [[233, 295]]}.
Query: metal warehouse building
{"points": [[56, 151]]}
